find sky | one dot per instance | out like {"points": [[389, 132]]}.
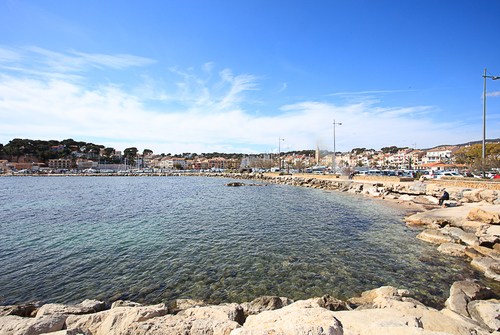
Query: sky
{"points": [[238, 76]]}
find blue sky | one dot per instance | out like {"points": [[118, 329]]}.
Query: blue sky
{"points": [[234, 76]]}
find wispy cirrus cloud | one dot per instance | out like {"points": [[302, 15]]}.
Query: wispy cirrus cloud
{"points": [[366, 92], [45, 61]]}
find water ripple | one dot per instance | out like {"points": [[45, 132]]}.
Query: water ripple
{"points": [[159, 238]]}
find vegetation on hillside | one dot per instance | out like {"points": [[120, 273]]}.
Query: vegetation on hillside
{"points": [[472, 156]]}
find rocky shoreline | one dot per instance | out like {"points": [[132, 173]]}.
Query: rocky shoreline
{"points": [[468, 226], [385, 310]]}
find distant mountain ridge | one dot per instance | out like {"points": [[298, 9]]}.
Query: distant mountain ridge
{"points": [[496, 140]]}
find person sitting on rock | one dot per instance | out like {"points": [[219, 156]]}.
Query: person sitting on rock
{"points": [[444, 197]]}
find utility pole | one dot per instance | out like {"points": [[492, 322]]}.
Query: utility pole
{"points": [[484, 117], [279, 151], [334, 152]]}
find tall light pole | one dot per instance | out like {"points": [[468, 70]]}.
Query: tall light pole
{"points": [[279, 151], [484, 117], [334, 152]]}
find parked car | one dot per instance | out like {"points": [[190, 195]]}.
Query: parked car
{"points": [[449, 174]]}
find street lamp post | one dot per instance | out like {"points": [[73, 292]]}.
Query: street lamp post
{"points": [[279, 151], [484, 117], [334, 152]]}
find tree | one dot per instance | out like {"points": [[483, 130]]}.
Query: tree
{"points": [[147, 152], [473, 156], [409, 162], [358, 151], [108, 152], [130, 154]]}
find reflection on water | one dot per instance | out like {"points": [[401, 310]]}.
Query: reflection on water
{"points": [[153, 239]]}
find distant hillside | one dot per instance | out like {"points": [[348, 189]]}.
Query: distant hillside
{"points": [[497, 140]]}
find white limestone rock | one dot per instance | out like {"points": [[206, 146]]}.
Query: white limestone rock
{"points": [[16, 325], [292, 320], [435, 236], [85, 307], [114, 321], [452, 249], [177, 324], [486, 312]]}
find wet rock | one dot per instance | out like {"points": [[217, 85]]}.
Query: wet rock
{"points": [[26, 310], [434, 236], [235, 184], [484, 251], [332, 304], [483, 263], [460, 235], [265, 303], [452, 249], [124, 303], [85, 307]]}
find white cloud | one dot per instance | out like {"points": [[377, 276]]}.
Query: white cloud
{"points": [[72, 61], [193, 112], [493, 94]]}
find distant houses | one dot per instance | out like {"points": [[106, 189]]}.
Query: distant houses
{"points": [[83, 157]]}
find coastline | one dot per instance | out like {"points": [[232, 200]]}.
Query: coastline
{"points": [[412, 196]]}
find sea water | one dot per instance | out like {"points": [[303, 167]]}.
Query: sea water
{"points": [[154, 239]]}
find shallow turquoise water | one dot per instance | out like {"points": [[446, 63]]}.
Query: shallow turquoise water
{"points": [[154, 239]]}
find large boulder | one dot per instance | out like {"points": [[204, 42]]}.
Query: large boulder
{"points": [[486, 312], [469, 226], [265, 303], [389, 311], [332, 303], [478, 251], [477, 214], [435, 236], [460, 235], [483, 263], [231, 312], [452, 249], [177, 324], [26, 310], [16, 325], [390, 321], [292, 320], [472, 195], [85, 307], [374, 298], [114, 321], [463, 292]]}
